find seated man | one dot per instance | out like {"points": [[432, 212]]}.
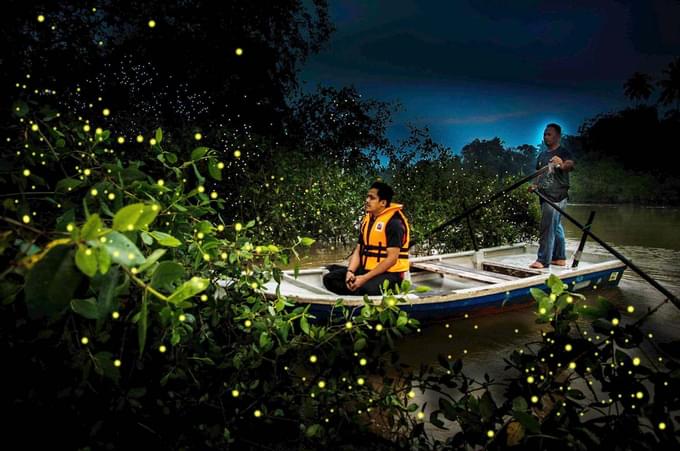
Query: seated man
{"points": [[382, 251]]}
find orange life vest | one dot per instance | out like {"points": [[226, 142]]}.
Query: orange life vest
{"points": [[374, 248]]}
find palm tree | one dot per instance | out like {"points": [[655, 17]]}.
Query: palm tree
{"points": [[670, 86], [638, 86]]}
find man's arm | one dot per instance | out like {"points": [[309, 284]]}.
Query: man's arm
{"points": [[354, 262], [355, 259], [565, 165], [564, 159], [392, 256]]}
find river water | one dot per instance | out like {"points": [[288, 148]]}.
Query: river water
{"points": [[650, 237]]}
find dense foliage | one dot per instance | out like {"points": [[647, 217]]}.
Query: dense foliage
{"points": [[132, 313]]}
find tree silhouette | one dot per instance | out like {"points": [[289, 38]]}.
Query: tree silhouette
{"points": [[638, 87], [670, 86], [340, 124], [172, 62], [490, 157]]}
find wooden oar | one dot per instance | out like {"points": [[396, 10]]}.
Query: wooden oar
{"points": [[483, 203]]}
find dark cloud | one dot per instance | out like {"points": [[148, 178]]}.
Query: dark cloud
{"points": [[478, 69], [540, 42]]}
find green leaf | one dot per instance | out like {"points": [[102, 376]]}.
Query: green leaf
{"points": [[304, 325], [8, 291], [520, 404], [405, 285], [529, 422], [165, 274], [265, 341], [67, 185], [360, 344], [51, 283], [189, 289], [175, 338], [545, 306], [122, 250], [91, 228], [213, 170], [159, 135], [69, 217], [86, 260], [86, 307], [402, 320], [146, 238], [148, 216], [135, 217], [434, 419], [555, 284], [537, 294], [205, 227], [198, 153], [561, 302], [104, 366], [601, 308], [151, 259], [313, 430], [103, 260], [107, 291], [422, 288], [200, 179], [166, 240], [487, 407], [307, 241]]}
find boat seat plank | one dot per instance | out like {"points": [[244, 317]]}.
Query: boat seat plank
{"points": [[509, 270], [442, 269], [478, 271]]}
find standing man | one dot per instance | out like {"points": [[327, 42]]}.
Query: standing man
{"points": [[554, 184], [382, 251]]}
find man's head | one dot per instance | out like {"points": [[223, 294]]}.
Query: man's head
{"points": [[552, 135], [378, 198]]}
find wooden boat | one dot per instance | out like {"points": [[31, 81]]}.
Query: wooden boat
{"points": [[486, 281]]}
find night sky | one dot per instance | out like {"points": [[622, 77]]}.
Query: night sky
{"points": [[480, 69]]}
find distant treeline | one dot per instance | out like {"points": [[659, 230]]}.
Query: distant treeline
{"points": [[622, 157]]}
